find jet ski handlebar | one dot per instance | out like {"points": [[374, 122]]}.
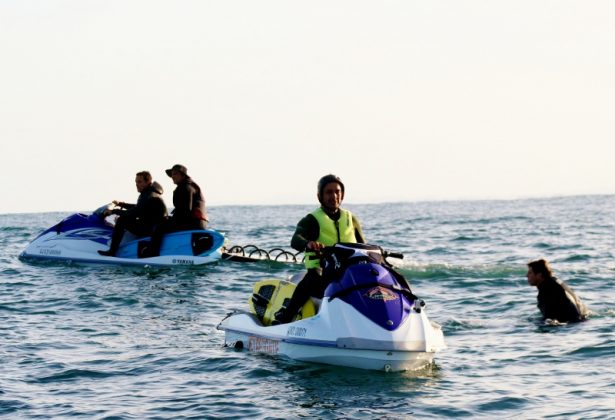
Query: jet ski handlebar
{"points": [[362, 248]]}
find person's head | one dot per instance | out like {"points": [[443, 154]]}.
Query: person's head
{"points": [[143, 180], [538, 271], [177, 173], [330, 192]]}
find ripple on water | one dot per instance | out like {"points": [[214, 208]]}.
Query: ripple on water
{"points": [[75, 375]]}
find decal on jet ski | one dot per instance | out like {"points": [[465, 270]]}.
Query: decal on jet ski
{"points": [[296, 331], [263, 345], [49, 251], [96, 235], [182, 261], [381, 293]]}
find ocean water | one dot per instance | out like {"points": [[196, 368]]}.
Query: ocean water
{"points": [[85, 341]]}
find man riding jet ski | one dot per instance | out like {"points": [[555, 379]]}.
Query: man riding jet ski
{"points": [[139, 219], [325, 226], [368, 317]]}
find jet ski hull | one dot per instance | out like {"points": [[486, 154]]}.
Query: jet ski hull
{"points": [[351, 340], [368, 318], [79, 237]]}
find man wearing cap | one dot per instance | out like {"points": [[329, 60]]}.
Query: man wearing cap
{"points": [[325, 226], [189, 212]]}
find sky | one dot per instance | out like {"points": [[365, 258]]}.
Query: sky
{"points": [[404, 100]]}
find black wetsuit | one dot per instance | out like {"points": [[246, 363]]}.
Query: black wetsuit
{"points": [[557, 301], [189, 213], [313, 283], [141, 218], [189, 206]]}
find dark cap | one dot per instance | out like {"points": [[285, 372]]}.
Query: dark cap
{"points": [[179, 168]]}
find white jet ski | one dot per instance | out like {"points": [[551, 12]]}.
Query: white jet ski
{"points": [[368, 318], [79, 237]]}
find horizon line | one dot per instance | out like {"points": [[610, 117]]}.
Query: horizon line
{"points": [[521, 198]]}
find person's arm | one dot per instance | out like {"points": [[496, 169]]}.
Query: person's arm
{"points": [[135, 210], [125, 205], [307, 230], [358, 231], [118, 211]]}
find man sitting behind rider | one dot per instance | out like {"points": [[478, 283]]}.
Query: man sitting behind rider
{"points": [[327, 225], [189, 212], [140, 219]]}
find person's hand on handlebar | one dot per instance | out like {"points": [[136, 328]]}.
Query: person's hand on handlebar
{"points": [[314, 246]]}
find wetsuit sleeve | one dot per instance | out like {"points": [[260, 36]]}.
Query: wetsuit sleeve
{"points": [[124, 211], [307, 230], [135, 211], [358, 231]]}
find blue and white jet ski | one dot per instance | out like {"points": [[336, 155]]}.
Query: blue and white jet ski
{"points": [[368, 318], [79, 237]]}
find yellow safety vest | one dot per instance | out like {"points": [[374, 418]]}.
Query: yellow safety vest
{"points": [[331, 232]]}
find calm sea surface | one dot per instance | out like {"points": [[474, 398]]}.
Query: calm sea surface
{"points": [[116, 342]]}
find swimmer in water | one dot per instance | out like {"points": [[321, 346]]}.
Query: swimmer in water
{"points": [[556, 300]]}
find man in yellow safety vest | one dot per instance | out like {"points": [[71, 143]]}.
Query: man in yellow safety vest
{"points": [[327, 225]]}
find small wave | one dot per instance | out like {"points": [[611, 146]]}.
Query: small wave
{"points": [[10, 272], [464, 238], [420, 219], [541, 245], [440, 250], [75, 374], [12, 229], [606, 350], [427, 271], [459, 325], [261, 372], [488, 220], [577, 258], [501, 404], [12, 406], [18, 284]]}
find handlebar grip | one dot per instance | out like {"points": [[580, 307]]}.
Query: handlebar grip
{"points": [[395, 255]]}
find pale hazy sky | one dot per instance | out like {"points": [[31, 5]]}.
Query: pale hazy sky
{"points": [[404, 100]]}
